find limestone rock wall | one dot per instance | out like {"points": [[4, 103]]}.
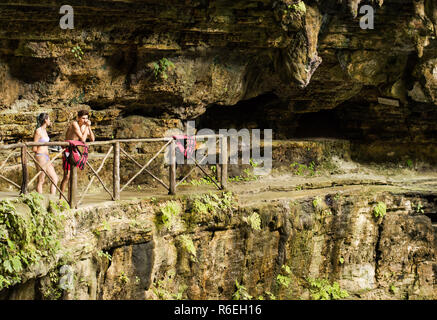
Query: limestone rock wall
{"points": [[337, 238], [173, 60]]}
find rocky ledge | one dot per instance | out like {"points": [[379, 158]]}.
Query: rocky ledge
{"points": [[369, 242]]}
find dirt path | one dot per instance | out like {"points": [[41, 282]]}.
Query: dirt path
{"points": [[354, 178]]}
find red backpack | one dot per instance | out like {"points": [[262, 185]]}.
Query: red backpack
{"points": [[76, 157]]}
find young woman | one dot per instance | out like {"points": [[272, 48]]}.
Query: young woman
{"points": [[42, 152]]}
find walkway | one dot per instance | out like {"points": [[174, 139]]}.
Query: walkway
{"points": [[287, 186]]}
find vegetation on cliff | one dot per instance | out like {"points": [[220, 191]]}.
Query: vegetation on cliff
{"points": [[29, 232]]}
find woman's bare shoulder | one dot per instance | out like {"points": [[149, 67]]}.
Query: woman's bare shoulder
{"points": [[37, 134]]}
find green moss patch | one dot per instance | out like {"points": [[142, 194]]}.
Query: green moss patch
{"points": [[29, 232]]}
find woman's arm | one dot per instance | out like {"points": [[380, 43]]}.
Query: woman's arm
{"points": [[36, 138]]}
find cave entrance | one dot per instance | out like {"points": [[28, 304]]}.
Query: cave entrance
{"points": [[256, 113], [433, 217], [267, 111], [320, 124]]}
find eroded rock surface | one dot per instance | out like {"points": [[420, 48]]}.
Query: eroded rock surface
{"points": [[121, 251], [173, 60]]}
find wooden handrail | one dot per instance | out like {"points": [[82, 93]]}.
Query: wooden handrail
{"points": [[36, 176], [92, 178], [116, 171], [66, 144], [25, 173], [146, 165], [172, 168], [140, 166], [33, 158], [96, 143], [115, 147]]}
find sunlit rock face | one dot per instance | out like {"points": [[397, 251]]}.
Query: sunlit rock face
{"points": [[306, 69], [172, 60], [119, 251]]}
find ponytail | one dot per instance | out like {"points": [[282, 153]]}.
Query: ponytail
{"points": [[41, 118]]}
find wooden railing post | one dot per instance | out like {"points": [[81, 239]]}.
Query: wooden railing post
{"points": [[25, 178], [72, 190], [218, 174], [116, 171], [223, 161], [172, 168]]}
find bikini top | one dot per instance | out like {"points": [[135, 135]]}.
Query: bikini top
{"points": [[44, 140]]}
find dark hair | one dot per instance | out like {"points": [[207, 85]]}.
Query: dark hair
{"points": [[41, 118], [82, 113]]}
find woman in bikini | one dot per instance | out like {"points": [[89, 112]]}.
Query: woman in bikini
{"points": [[42, 152]]}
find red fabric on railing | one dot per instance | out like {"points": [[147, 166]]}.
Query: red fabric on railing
{"points": [[186, 145], [73, 156]]}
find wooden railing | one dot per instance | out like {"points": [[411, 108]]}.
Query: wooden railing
{"points": [[74, 199]]}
